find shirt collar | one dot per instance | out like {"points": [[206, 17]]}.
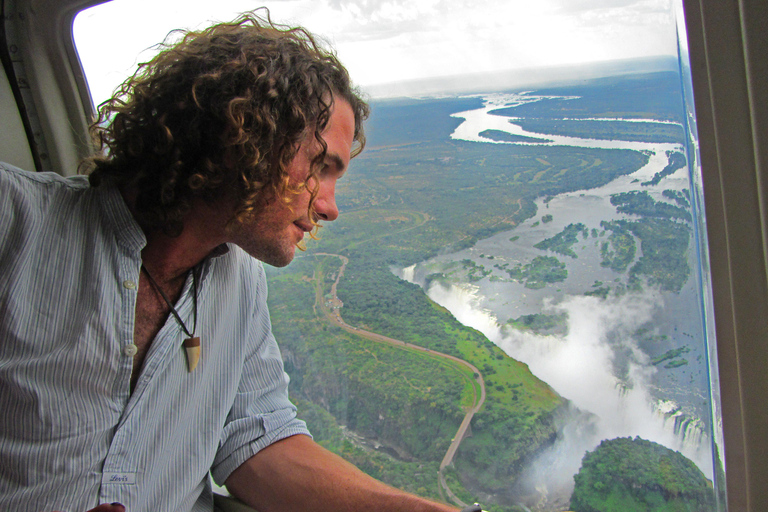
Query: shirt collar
{"points": [[127, 231], [219, 250]]}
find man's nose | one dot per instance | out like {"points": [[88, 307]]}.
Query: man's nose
{"points": [[325, 203]]}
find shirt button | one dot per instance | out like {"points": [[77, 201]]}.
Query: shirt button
{"points": [[130, 350], [129, 284]]}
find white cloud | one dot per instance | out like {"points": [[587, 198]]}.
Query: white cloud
{"points": [[384, 41]]}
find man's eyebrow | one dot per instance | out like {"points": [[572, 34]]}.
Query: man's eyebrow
{"points": [[336, 161]]}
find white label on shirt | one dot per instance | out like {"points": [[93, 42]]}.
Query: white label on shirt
{"points": [[118, 478]]}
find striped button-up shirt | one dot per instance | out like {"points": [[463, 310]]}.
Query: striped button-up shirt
{"points": [[72, 434]]}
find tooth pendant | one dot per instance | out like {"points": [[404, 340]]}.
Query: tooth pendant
{"points": [[192, 347]]}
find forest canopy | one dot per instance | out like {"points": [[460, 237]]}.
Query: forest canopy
{"points": [[635, 475]]}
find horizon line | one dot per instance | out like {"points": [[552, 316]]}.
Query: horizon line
{"points": [[505, 80]]}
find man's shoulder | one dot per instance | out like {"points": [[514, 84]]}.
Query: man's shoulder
{"points": [[27, 181], [32, 202]]}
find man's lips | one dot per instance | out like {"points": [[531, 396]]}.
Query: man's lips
{"points": [[304, 226]]}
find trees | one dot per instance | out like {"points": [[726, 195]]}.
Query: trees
{"points": [[635, 475]]}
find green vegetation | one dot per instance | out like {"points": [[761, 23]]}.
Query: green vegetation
{"points": [[681, 198], [619, 251], [562, 242], [538, 273], [664, 242], [500, 136], [635, 475], [416, 476], [641, 203], [543, 270], [610, 130], [642, 96], [377, 300], [546, 218], [676, 161], [540, 323], [475, 272], [404, 121], [670, 354], [647, 337], [664, 245], [601, 292], [409, 401], [453, 193]]}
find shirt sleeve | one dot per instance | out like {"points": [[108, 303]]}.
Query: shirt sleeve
{"points": [[261, 413]]}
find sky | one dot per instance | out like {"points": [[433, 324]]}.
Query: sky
{"points": [[388, 41]]}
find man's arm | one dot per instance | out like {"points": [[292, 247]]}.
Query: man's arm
{"points": [[298, 474]]}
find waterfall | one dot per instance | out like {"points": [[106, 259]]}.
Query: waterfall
{"points": [[581, 366]]}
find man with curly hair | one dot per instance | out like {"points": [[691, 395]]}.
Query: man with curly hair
{"points": [[137, 356]]}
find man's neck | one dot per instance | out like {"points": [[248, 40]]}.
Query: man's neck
{"points": [[170, 258]]}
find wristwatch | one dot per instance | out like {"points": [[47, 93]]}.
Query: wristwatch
{"points": [[472, 508]]}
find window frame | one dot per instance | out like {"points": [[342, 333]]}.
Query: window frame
{"points": [[47, 80], [728, 43]]}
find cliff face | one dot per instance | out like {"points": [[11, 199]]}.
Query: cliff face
{"points": [[493, 458]]}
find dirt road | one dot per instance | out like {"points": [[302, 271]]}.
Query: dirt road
{"points": [[332, 309]]}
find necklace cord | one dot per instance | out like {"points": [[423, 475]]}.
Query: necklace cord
{"points": [[173, 309]]}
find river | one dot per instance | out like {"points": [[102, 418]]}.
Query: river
{"points": [[602, 366]]}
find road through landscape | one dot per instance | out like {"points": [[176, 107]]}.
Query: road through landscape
{"points": [[331, 308]]}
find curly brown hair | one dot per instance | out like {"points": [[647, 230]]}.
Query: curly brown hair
{"points": [[219, 113]]}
